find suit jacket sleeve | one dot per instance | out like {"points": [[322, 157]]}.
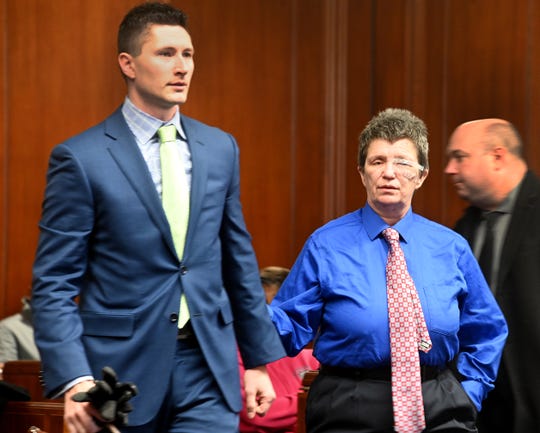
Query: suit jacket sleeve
{"points": [[60, 264], [256, 335]]}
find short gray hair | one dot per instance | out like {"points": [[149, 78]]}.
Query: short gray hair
{"points": [[394, 124]]}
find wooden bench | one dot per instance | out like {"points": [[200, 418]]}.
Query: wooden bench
{"points": [[19, 416], [47, 415], [302, 399]]}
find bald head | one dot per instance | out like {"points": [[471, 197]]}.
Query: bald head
{"points": [[490, 133], [485, 161]]}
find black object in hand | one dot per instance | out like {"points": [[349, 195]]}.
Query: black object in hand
{"points": [[110, 398]]}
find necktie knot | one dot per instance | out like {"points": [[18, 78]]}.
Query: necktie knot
{"points": [[490, 218], [167, 133], [391, 235]]}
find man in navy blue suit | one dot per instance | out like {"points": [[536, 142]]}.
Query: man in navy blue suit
{"points": [[107, 280]]}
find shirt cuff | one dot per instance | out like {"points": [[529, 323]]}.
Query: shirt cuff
{"points": [[70, 385]]}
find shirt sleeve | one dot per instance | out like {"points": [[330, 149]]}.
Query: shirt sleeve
{"points": [[8, 345], [481, 341], [297, 308]]}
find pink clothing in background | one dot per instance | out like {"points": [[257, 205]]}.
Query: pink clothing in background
{"points": [[286, 375]]}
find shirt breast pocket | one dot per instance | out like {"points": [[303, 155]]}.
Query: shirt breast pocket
{"points": [[442, 313]]}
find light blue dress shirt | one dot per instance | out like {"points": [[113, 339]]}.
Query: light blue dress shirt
{"points": [[144, 128], [335, 295]]}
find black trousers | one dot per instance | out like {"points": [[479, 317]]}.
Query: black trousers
{"points": [[347, 405]]}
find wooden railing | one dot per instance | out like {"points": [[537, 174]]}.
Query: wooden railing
{"points": [[20, 416], [302, 399], [47, 415]]}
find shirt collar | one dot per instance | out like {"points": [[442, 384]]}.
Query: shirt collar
{"points": [[374, 224], [144, 126], [508, 204]]}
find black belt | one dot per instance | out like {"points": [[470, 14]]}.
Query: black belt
{"points": [[186, 334], [380, 373]]}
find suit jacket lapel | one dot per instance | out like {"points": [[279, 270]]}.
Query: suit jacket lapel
{"points": [[519, 224], [199, 174], [127, 155]]}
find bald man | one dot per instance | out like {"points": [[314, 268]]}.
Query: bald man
{"points": [[487, 168]]}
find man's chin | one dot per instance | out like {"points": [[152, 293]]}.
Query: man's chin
{"points": [[461, 191], [179, 98], [390, 202]]}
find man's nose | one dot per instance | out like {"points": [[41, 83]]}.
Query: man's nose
{"points": [[389, 169], [450, 167], [180, 65]]}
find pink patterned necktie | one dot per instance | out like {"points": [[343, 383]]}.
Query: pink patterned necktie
{"points": [[408, 334]]}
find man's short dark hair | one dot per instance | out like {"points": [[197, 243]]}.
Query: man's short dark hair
{"points": [[135, 25]]}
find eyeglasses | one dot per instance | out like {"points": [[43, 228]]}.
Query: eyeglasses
{"points": [[402, 167]]}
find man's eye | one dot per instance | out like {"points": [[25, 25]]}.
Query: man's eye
{"points": [[403, 163]]}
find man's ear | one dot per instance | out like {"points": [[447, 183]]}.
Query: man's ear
{"points": [[125, 61], [499, 153], [422, 178], [361, 173]]}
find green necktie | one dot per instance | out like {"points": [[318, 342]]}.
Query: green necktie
{"points": [[175, 198]]}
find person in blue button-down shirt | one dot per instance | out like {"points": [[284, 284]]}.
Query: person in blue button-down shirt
{"points": [[336, 296]]}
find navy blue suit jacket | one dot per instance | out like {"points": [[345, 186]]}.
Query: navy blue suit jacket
{"points": [[107, 280]]}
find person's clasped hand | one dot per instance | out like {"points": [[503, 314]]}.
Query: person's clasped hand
{"points": [[106, 403], [259, 391], [80, 417]]}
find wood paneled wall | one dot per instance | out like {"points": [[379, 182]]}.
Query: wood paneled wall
{"points": [[294, 80]]}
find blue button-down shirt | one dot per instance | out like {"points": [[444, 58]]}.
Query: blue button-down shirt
{"points": [[336, 295]]}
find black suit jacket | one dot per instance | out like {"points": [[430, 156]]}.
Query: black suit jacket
{"points": [[518, 294]]}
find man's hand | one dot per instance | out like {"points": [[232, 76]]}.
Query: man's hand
{"points": [[80, 417], [259, 391]]}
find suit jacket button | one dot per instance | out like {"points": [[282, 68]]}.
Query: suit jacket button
{"points": [[173, 317], [183, 270]]}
